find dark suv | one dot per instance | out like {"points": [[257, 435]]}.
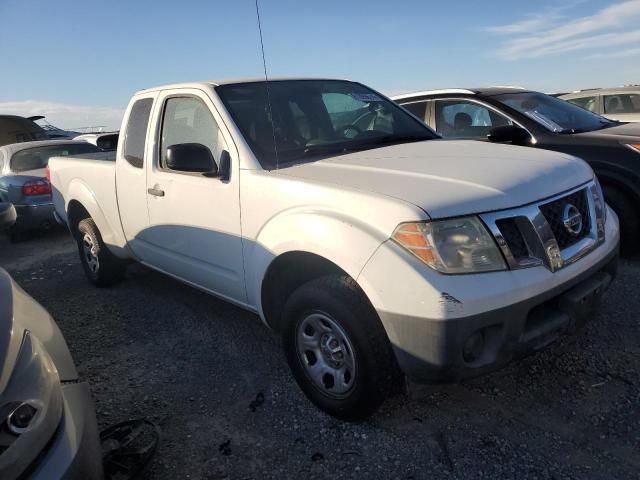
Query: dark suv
{"points": [[522, 117]]}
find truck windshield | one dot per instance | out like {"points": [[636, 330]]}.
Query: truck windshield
{"points": [[311, 119], [554, 114]]}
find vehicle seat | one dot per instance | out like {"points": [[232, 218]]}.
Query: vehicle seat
{"points": [[613, 105], [462, 121]]}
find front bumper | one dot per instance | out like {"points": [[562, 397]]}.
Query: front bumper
{"points": [[34, 216], [450, 327], [74, 452]]}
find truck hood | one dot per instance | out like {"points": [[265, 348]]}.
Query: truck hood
{"points": [[451, 178]]}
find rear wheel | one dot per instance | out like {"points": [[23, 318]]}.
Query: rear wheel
{"points": [[101, 267], [629, 220], [337, 348]]}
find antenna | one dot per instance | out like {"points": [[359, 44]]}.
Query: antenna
{"points": [[266, 80]]}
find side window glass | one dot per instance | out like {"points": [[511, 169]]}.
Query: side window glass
{"points": [[136, 132], [623, 103], [613, 104], [419, 109], [460, 119], [588, 103], [189, 120]]}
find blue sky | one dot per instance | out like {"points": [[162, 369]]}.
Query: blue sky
{"points": [[79, 61]]}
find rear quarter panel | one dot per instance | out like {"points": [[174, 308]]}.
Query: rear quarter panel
{"points": [[91, 182]]}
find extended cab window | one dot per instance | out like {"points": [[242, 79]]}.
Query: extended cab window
{"points": [[462, 119], [189, 120], [136, 132]]}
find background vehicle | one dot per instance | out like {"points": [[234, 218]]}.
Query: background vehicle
{"points": [[53, 132], [107, 142], [334, 215], [23, 182], [621, 104], [534, 119], [14, 129], [48, 425]]}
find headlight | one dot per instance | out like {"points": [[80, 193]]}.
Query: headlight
{"points": [[30, 408], [459, 245], [634, 146], [600, 206]]}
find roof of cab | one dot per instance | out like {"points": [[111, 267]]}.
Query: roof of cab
{"points": [[229, 81]]}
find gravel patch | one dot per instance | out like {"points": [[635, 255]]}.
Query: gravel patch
{"points": [[215, 380]]}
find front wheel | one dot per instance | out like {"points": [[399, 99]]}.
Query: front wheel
{"points": [[101, 267], [337, 348]]}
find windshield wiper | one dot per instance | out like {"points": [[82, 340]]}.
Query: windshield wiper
{"points": [[325, 148], [603, 124]]}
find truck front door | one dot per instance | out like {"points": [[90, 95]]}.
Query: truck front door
{"points": [[194, 219]]}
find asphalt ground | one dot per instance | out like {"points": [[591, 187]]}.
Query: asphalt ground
{"points": [[215, 380]]}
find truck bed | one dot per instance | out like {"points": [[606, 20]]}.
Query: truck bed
{"points": [[91, 178]]}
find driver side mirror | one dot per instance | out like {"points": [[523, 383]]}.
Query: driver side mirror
{"points": [[509, 134], [191, 157], [7, 215]]}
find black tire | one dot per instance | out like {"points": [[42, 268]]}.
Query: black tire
{"points": [[376, 374], [101, 267], [17, 235], [629, 219]]}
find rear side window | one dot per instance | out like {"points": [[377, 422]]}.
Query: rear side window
{"points": [[136, 132], [623, 103]]}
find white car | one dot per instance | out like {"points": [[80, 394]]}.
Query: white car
{"points": [[621, 104], [348, 226], [107, 142]]}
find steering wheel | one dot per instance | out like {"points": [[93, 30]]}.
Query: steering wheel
{"points": [[350, 131]]}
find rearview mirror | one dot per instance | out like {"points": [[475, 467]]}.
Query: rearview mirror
{"points": [[191, 157], [509, 133], [7, 215]]}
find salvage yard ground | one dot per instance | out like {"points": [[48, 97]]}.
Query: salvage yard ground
{"points": [[217, 383]]}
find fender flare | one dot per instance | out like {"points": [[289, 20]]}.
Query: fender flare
{"points": [[113, 238], [345, 241]]}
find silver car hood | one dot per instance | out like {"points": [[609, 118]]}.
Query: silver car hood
{"points": [[20, 312]]}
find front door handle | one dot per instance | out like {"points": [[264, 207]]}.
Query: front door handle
{"points": [[156, 192]]}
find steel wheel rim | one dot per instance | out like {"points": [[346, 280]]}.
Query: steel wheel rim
{"points": [[326, 354], [90, 253]]}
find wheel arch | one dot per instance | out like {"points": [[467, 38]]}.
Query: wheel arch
{"points": [[83, 204], [285, 274]]}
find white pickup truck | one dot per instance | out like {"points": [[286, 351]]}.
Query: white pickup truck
{"points": [[375, 248]]}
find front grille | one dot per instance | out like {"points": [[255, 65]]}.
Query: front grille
{"points": [[536, 234], [554, 212], [513, 236]]}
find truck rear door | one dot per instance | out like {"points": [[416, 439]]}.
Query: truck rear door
{"points": [[194, 219], [131, 176]]}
